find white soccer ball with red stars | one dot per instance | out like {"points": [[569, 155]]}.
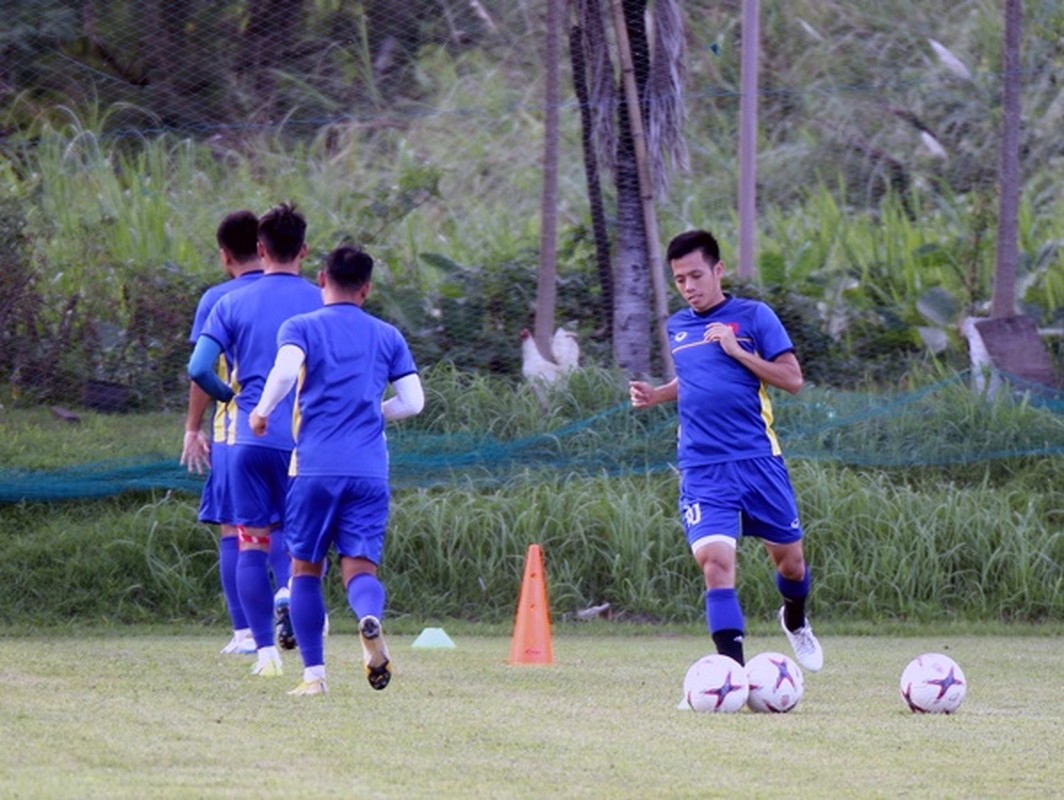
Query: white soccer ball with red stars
{"points": [[776, 683], [715, 684], [933, 684]]}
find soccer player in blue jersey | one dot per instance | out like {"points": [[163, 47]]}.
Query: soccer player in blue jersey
{"points": [[244, 324], [733, 481], [237, 237], [344, 359]]}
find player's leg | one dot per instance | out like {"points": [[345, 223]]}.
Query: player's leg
{"points": [[242, 643], [256, 596], [772, 515], [360, 542], [724, 615], [366, 596], [258, 477], [711, 522], [214, 508], [307, 609], [790, 564], [792, 580], [281, 568], [310, 514]]}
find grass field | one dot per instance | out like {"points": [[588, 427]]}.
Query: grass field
{"points": [[150, 715]]}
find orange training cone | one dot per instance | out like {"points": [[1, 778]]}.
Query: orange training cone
{"points": [[531, 642]]}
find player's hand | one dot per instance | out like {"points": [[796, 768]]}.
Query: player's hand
{"points": [[641, 394], [196, 452], [257, 422], [724, 335]]}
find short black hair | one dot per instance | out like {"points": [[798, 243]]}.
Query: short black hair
{"points": [[691, 241], [238, 235], [282, 231], [348, 267]]}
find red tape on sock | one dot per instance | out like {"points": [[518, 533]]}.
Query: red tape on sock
{"points": [[246, 538]]}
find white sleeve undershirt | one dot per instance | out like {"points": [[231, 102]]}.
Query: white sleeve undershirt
{"points": [[409, 399], [281, 378], [409, 396]]}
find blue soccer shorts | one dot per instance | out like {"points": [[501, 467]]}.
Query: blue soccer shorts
{"points": [[350, 513], [750, 497], [216, 507], [258, 482]]}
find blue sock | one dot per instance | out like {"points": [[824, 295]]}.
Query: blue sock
{"points": [[256, 595], [794, 595], [307, 608], [726, 624], [366, 596], [723, 611], [796, 590], [228, 549], [280, 562]]}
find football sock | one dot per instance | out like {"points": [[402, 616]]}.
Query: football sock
{"points": [[228, 552], [307, 607], [794, 594], [256, 595], [280, 561], [724, 618], [730, 643], [366, 596]]}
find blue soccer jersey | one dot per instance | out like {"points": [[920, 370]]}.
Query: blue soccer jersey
{"points": [[350, 358], [724, 409], [220, 421], [215, 501], [245, 323]]}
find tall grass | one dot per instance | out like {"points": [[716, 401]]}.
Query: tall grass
{"points": [[959, 518], [879, 551]]}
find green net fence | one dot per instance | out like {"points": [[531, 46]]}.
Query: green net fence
{"points": [[942, 424]]}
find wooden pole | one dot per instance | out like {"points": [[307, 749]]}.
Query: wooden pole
{"points": [[646, 188], [547, 278], [748, 96], [1003, 299]]}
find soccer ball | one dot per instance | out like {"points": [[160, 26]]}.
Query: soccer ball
{"points": [[933, 684], [776, 683], [716, 684]]}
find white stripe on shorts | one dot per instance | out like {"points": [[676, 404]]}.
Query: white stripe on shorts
{"points": [[702, 541]]}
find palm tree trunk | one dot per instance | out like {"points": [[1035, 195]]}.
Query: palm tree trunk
{"points": [[599, 231], [1003, 303], [631, 312], [751, 46]]}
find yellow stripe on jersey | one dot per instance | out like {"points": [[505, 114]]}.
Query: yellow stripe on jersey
{"points": [[766, 415], [235, 385], [297, 419], [219, 426]]}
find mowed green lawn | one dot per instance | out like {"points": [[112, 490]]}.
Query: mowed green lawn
{"points": [[166, 716]]}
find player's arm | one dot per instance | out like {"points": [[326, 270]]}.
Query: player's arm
{"points": [[643, 395], [279, 383], [201, 369], [784, 372], [409, 398], [196, 450]]}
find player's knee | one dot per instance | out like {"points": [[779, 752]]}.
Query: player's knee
{"points": [[719, 573], [792, 568]]}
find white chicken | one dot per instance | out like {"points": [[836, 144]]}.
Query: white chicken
{"points": [[543, 372], [566, 350]]}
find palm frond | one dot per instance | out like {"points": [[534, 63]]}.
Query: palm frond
{"points": [[666, 109], [602, 83]]}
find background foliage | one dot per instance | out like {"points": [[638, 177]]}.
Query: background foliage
{"points": [[129, 129]]}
